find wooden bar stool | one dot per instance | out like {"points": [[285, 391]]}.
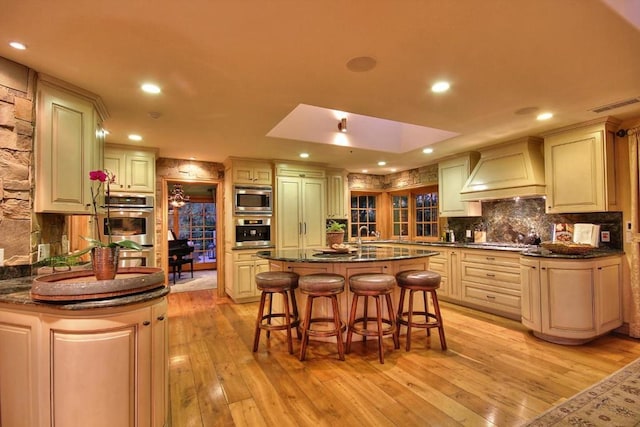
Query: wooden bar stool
{"points": [[426, 282], [283, 283], [376, 286], [322, 285]]}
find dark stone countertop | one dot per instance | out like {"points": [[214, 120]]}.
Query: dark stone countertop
{"points": [[368, 253], [18, 291], [596, 253]]}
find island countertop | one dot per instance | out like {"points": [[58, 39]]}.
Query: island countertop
{"points": [[368, 253]]}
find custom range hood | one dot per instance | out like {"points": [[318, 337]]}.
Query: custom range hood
{"points": [[513, 169]]}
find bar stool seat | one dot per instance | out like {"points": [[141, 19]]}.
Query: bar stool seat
{"points": [[283, 283], [427, 282], [322, 285], [372, 285]]}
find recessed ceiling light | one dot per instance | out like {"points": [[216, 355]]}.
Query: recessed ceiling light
{"points": [[440, 87], [192, 158], [382, 163], [427, 150], [544, 116], [18, 45], [364, 171], [150, 88], [135, 137], [394, 170], [304, 155]]}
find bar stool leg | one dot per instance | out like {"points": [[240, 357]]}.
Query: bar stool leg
{"points": [[336, 321], [352, 319], [305, 328], [270, 311], [392, 317], [287, 317], [296, 315], [256, 337], [380, 336], [409, 320], [436, 309], [400, 309], [426, 310], [366, 317]]}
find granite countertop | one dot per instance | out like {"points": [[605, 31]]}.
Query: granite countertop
{"points": [[18, 291], [367, 253], [527, 250]]}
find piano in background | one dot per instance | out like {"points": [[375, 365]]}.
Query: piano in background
{"points": [[179, 255]]}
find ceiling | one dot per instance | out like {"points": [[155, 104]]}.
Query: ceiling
{"points": [[231, 71]]}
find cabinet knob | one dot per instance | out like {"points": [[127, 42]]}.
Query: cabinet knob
{"points": [[491, 275], [490, 258], [543, 268], [161, 318], [146, 323], [490, 297]]}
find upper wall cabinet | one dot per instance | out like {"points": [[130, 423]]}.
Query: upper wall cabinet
{"points": [[452, 175], [134, 169], [69, 144], [580, 168], [245, 172], [337, 195]]}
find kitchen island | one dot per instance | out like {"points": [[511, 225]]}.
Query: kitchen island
{"points": [[365, 259], [98, 362]]}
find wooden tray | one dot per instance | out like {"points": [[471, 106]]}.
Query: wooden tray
{"points": [[82, 284], [567, 248], [336, 251]]}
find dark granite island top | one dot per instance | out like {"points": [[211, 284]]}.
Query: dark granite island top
{"points": [[368, 253]]}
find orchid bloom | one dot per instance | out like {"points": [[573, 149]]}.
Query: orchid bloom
{"points": [[98, 175]]}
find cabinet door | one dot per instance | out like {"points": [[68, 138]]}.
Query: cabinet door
{"points": [[252, 173], [65, 151], [100, 371], [244, 279], [313, 220], [289, 213], [114, 162], [609, 295], [336, 204], [452, 176], [530, 297], [159, 365], [19, 353], [575, 172], [140, 172], [567, 295]]}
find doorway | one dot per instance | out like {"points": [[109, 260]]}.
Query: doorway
{"points": [[195, 221]]}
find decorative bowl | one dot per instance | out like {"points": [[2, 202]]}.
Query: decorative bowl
{"points": [[567, 248]]}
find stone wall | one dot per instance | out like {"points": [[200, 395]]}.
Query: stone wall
{"points": [[16, 159], [426, 175]]}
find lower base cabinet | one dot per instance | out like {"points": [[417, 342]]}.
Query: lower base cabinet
{"points": [[240, 281], [571, 301], [98, 367]]}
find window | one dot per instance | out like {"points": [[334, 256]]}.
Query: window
{"points": [[363, 213], [400, 215], [426, 214], [196, 221]]}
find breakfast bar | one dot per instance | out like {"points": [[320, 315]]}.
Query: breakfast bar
{"points": [[358, 260]]}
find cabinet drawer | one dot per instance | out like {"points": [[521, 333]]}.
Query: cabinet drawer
{"points": [[503, 277], [246, 256], [439, 265], [490, 257], [491, 299]]}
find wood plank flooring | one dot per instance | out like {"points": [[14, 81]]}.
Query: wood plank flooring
{"points": [[495, 373]]}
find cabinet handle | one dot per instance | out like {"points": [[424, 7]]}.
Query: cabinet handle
{"points": [[491, 275], [543, 268], [161, 318], [146, 323], [305, 228], [490, 297], [599, 268], [299, 228], [490, 258]]}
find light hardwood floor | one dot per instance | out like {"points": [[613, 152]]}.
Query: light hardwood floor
{"points": [[494, 372]]}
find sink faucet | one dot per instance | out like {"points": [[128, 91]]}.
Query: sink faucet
{"points": [[364, 227]]}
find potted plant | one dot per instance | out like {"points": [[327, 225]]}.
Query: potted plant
{"points": [[335, 233]]}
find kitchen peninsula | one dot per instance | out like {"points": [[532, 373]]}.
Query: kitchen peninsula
{"points": [[99, 362]]}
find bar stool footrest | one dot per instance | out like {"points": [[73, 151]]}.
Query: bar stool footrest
{"points": [[358, 327], [325, 332]]}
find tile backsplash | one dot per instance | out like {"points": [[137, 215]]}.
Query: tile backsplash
{"points": [[512, 221]]}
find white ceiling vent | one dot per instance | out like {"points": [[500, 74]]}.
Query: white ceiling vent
{"points": [[615, 105]]}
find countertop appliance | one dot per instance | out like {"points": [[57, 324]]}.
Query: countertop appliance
{"points": [[253, 231], [253, 200]]}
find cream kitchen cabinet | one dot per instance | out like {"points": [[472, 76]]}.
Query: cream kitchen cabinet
{"points": [[490, 280], [245, 172], [134, 169], [452, 175], [301, 210], [97, 367], [242, 267], [571, 301], [580, 171], [337, 195], [69, 144], [447, 264]]}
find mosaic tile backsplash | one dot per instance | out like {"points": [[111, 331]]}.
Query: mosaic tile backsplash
{"points": [[511, 221]]}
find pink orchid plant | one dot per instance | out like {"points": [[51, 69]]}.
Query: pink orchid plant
{"points": [[104, 178]]}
